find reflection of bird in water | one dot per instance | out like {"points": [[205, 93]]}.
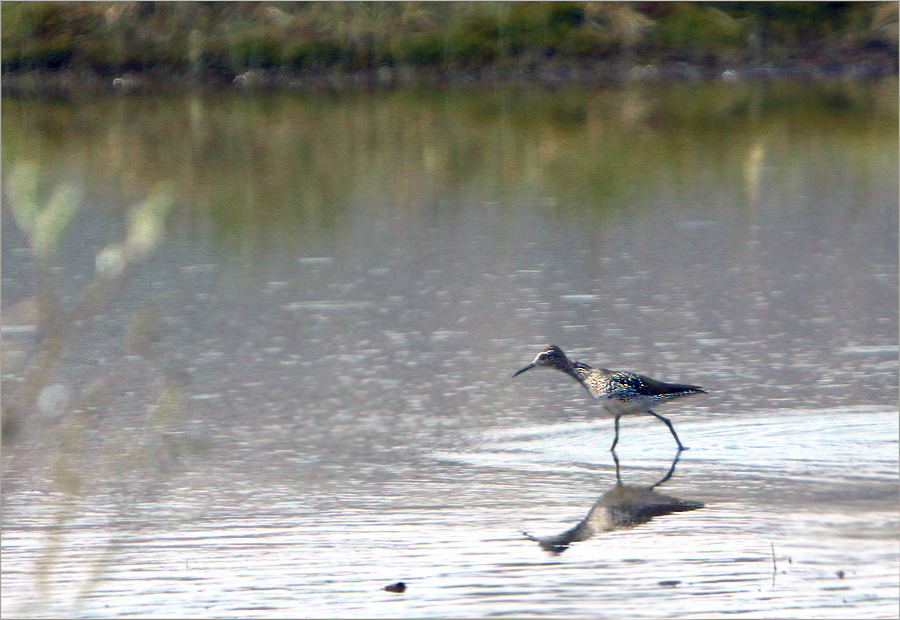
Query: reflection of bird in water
{"points": [[622, 506], [620, 393]]}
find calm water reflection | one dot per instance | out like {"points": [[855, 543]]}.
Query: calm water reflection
{"points": [[621, 506], [256, 350]]}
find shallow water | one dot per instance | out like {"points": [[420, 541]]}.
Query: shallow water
{"points": [[284, 378]]}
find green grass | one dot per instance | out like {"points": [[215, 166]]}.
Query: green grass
{"points": [[232, 37]]}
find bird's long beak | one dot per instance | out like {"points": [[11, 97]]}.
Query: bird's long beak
{"points": [[529, 367]]}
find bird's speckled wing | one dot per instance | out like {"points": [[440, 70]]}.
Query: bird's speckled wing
{"points": [[629, 382]]}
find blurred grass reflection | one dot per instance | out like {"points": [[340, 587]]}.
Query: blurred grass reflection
{"points": [[253, 170]]}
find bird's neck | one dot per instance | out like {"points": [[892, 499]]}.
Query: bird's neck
{"points": [[578, 371], [585, 375]]}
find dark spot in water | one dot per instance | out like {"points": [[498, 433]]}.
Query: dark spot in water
{"points": [[840, 574], [396, 587], [669, 582]]}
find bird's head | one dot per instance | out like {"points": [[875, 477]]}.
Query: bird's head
{"points": [[549, 357]]}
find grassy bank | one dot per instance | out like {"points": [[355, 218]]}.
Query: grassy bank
{"points": [[396, 41]]}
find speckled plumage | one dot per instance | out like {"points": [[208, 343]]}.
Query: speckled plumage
{"points": [[620, 393]]}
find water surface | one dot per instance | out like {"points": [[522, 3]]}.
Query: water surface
{"points": [[257, 351]]}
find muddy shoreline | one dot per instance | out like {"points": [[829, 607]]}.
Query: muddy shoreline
{"points": [[550, 75]]}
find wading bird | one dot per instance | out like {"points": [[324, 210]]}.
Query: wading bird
{"points": [[620, 393]]}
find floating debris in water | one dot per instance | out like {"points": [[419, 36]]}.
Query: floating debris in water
{"points": [[669, 582], [396, 587]]}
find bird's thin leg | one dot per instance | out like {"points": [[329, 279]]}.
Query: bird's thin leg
{"points": [[616, 440], [671, 428]]}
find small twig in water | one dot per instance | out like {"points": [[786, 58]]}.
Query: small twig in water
{"points": [[774, 565]]}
